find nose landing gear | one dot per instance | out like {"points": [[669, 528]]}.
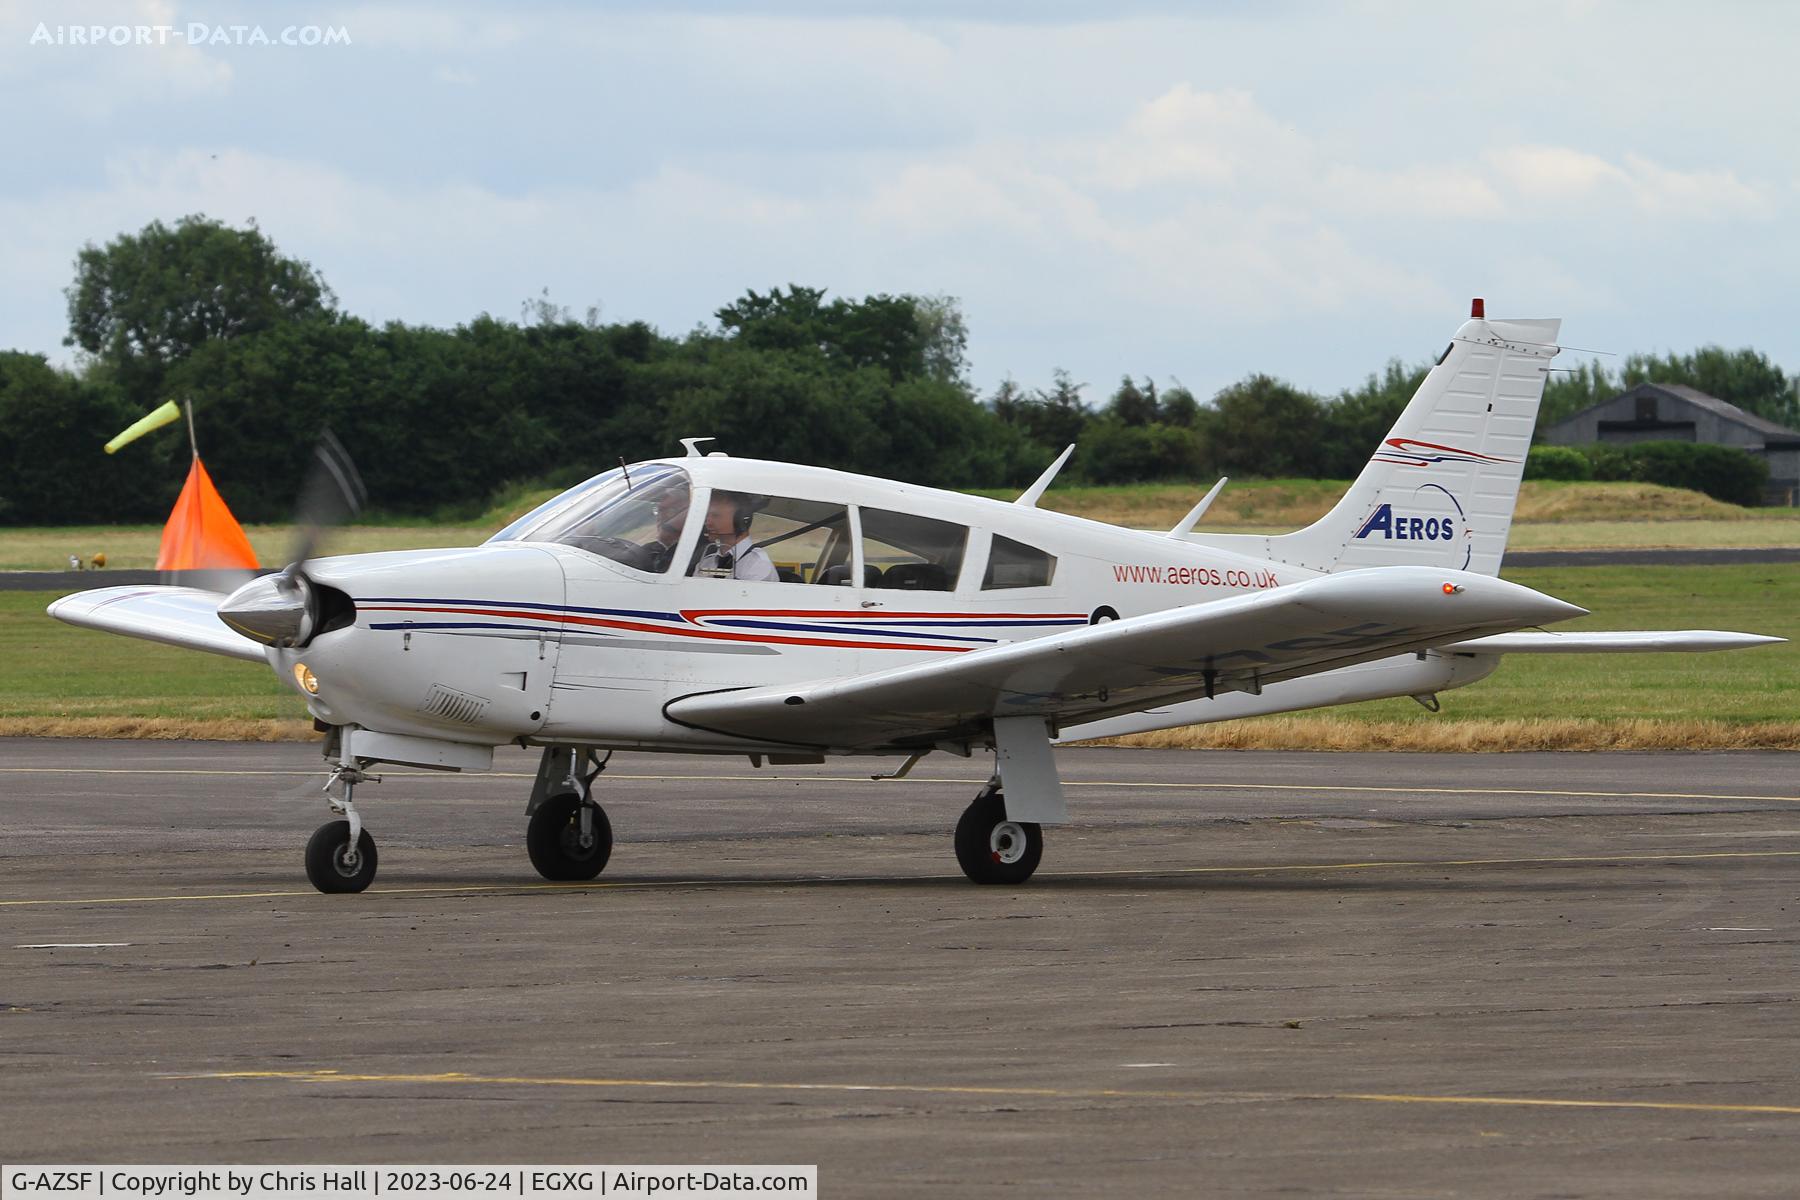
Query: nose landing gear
{"points": [[340, 855], [337, 862]]}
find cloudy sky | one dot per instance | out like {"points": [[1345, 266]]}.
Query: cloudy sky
{"points": [[1185, 191]]}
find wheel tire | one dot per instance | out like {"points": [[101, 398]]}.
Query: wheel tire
{"points": [[325, 855], [992, 849], [553, 839]]}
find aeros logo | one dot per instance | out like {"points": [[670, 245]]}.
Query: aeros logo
{"points": [[1407, 528], [1432, 516]]}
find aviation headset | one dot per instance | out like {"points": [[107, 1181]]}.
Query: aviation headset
{"points": [[742, 510]]}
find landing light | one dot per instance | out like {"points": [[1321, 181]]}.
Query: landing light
{"points": [[310, 683]]}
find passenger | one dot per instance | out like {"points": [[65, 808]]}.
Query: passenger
{"points": [[732, 554]]}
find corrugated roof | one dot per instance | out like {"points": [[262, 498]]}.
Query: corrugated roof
{"points": [[1681, 392], [1724, 408]]}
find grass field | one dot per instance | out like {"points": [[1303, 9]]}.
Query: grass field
{"points": [[1550, 516], [133, 547], [57, 679]]}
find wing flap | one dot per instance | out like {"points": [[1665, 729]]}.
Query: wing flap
{"points": [[1241, 643], [1624, 641], [176, 616]]}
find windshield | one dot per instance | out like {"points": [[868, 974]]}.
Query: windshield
{"points": [[634, 517], [513, 532]]}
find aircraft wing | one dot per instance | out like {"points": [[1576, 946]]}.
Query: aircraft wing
{"points": [[179, 616], [1241, 643], [1631, 641]]}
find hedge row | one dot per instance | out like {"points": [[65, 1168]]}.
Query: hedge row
{"points": [[1734, 476]]}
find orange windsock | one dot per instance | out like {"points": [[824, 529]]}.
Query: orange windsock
{"points": [[201, 533]]}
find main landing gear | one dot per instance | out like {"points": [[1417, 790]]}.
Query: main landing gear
{"points": [[990, 848], [1000, 840], [567, 836]]}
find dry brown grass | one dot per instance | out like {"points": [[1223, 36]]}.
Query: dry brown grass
{"points": [[1470, 735], [1266, 733], [1284, 504], [1540, 500], [160, 728], [1278, 504]]}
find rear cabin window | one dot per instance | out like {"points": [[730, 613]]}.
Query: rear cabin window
{"points": [[809, 540], [1015, 565], [909, 553]]}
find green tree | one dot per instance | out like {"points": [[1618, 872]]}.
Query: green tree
{"points": [[1178, 407], [147, 300], [1263, 426], [52, 468], [1133, 405], [1353, 423], [1115, 452], [1055, 416], [906, 336], [1743, 377], [1571, 391], [945, 337]]}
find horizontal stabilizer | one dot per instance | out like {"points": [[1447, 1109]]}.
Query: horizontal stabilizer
{"points": [[178, 616], [1633, 641]]}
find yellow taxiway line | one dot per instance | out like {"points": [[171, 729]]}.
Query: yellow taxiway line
{"points": [[772, 777], [459, 1078], [829, 880]]}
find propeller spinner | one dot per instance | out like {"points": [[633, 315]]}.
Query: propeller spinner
{"points": [[284, 609]]}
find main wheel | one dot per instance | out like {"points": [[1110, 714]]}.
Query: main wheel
{"points": [[553, 839], [333, 865], [992, 849]]}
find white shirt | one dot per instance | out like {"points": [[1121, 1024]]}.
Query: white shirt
{"points": [[749, 561]]}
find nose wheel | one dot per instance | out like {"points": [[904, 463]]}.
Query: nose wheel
{"points": [[993, 849], [338, 862], [340, 855]]}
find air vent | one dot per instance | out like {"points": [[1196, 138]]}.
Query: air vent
{"points": [[448, 704]]}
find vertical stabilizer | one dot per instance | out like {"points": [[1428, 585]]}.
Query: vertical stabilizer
{"points": [[1440, 488]]}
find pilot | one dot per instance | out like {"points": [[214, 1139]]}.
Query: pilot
{"points": [[671, 515], [732, 554]]}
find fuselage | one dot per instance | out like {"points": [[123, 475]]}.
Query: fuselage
{"points": [[580, 622]]}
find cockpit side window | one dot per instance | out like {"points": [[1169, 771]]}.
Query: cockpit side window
{"points": [[911, 553], [632, 517], [1015, 565], [773, 539]]}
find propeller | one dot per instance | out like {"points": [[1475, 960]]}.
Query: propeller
{"points": [[331, 494], [285, 609]]}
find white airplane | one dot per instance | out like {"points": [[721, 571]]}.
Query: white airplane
{"points": [[715, 605]]}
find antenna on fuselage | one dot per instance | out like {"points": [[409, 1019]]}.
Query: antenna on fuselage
{"points": [[1199, 510], [693, 446], [1031, 495]]}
